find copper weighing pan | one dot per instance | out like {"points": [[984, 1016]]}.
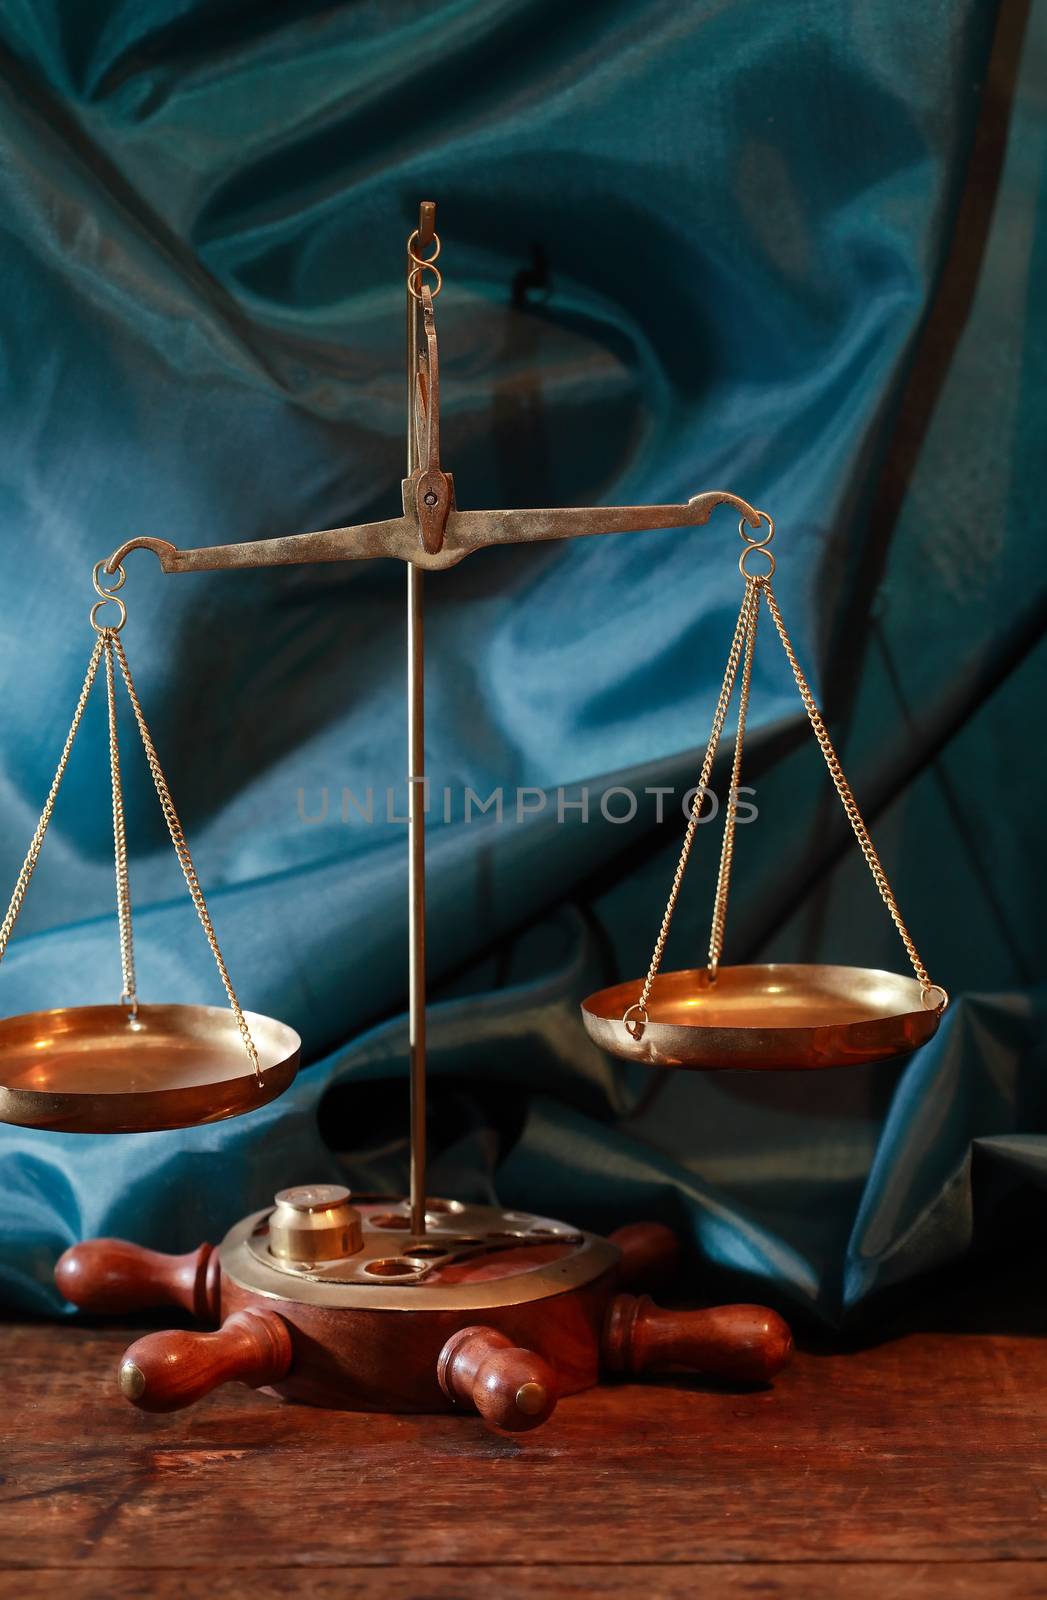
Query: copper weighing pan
{"points": [[764, 1017], [97, 1069]]}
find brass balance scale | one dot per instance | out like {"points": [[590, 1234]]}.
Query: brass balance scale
{"points": [[415, 1303]]}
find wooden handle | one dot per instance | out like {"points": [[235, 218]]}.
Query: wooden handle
{"points": [[167, 1371], [650, 1255], [510, 1387], [747, 1344], [111, 1276]]}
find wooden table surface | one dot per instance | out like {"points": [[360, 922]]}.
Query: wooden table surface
{"points": [[915, 1467]]}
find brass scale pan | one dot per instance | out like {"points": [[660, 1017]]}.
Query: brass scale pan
{"points": [[97, 1069], [132, 1068], [771, 1017]]}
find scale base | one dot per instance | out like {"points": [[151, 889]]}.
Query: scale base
{"points": [[496, 1312]]}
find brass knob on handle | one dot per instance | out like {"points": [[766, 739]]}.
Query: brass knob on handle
{"points": [[314, 1223], [512, 1388], [168, 1371]]}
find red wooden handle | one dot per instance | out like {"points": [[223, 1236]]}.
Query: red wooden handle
{"points": [[747, 1344], [168, 1371], [510, 1387], [112, 1276], [650, 1254]]}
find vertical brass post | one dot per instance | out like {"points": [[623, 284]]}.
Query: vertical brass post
{"points": [[416, 886], [416, 788]]}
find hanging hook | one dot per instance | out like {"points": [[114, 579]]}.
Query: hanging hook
{"points": [[109, 597], [760, 516], [752, 544], [636, 1020], [424, 235]]}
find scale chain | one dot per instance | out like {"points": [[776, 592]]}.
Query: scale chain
{"points": [[846, 794], [756, 585], [723, 879], [36, 843], [185, 860], [123, 884], [636, 1015]]}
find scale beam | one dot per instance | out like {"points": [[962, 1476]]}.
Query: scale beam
{"points": [[466, 531]]}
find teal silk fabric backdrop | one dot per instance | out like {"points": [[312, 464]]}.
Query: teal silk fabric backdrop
{"points": [[797, 250]]}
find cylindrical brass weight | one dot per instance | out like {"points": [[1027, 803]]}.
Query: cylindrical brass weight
{"points": [[313, 1223]]}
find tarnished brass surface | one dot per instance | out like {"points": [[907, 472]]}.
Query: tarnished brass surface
{"points": [[401, 537], [501, 1246], [758, 1017], [101, 1069]]}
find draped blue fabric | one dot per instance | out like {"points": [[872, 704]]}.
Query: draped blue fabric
{"points": [[753, 246]]}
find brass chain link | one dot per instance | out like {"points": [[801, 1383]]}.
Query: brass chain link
{"points": [[181, 848], [636, 1015], [123, 884], [35, 844], [723, 879], [421, 265], [850, 804]]}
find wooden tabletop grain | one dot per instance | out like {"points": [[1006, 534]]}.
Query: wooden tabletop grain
{"points": [[917, 1467]]}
